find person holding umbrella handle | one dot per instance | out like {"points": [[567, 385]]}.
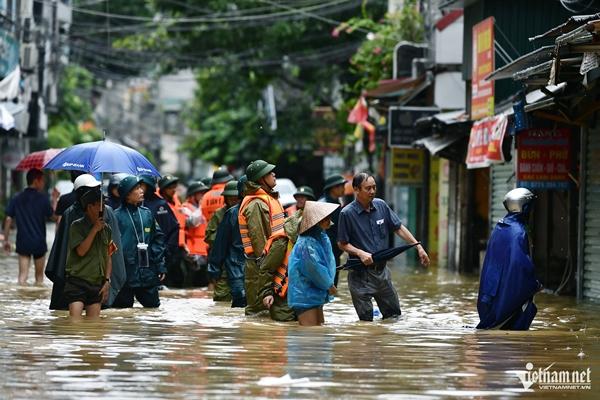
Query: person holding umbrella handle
{"points": [[364, 228]]}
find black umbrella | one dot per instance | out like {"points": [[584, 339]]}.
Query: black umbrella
{"points": [[378, 256]]}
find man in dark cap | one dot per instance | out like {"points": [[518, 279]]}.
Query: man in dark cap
{"points": [[195, 233], [227, 257], [177, 247], [333, 191], [222, 291]]}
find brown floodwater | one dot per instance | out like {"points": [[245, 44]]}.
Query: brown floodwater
{"points": [[193, 348]]}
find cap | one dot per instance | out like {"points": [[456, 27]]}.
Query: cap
{"points": [[314, 212], [90, 197], [86, 180]]}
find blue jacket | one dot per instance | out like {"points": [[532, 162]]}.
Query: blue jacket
{"points": [[311, 269], [152, 236], [227, 251], [508, 280]]}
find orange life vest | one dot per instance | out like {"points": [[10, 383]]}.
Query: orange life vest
{"points": [[213, 200], [277, 216], [280, 279], [195, 235], [180, 216]]}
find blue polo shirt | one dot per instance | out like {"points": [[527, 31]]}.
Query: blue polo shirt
{"points": [[367, 230], [30, 209]]}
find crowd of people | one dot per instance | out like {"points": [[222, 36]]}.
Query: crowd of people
{"points": [[232, 235], [236, 237]]}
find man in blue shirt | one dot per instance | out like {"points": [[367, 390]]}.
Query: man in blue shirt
{"points": [[364, 228], [31, 208]]}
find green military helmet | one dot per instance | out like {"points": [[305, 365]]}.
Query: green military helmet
{"points": [[206, 180], [334, 180], [221, 175], [127, 184], [167, 181], [231, 189], [257, 169], [196, 187], [305, 191]]}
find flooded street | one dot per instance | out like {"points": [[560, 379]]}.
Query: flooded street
{"points": [[194, 348]]}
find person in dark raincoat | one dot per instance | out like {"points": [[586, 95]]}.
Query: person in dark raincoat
{"points": [[143, 248], [227, 253], [508, 282], [222, 290], [163, 214], [57, 260]]}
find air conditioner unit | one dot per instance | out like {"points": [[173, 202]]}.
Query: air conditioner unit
{"points": [[29, 57]]}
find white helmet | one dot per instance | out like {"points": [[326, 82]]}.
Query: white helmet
{"points": [[516, 200], [86, 180]]}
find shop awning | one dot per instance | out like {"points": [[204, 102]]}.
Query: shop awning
{"points": [[403, 89], [572, 23], [536, 57], [448, 134]]}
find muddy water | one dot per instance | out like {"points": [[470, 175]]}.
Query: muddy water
{"points": [[194, 348]]}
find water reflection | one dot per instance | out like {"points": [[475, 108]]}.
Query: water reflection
{"points": [[194, 348]]}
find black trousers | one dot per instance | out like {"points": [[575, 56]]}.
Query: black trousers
{"points": [[368, 283], [147, 296]]}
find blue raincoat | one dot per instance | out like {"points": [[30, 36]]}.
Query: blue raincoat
{"points": [[508, 281], [311, 269]]}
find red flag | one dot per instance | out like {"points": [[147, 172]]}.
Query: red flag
{"points": [[359, 113]]}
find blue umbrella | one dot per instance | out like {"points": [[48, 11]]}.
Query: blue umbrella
{"points": [[378, 256], [102, 156]]}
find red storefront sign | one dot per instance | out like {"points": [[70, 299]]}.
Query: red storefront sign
{"points": [[482, 91], [544, 158], [485, 142]]}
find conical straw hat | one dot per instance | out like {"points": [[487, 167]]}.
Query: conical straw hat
{"points": [[314, 212]]}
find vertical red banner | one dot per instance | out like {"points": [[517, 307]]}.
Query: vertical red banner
{"points": [[482, 91]]}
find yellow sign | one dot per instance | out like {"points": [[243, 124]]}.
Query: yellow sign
{"points": [[407, 166]]}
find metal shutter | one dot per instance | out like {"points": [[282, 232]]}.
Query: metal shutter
{"points": [[591, 219], [502, 181]]}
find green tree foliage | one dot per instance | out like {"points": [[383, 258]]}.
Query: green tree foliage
{"points": [[72, 123], [238, 49], [373, 61]]}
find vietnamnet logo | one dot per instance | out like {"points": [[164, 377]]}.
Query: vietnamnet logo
{"points": [[142, 169], [547, 379], [70, 164]]}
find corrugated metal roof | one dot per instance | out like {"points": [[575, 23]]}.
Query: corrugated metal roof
{"points": [[541, 55], [572, 23]]}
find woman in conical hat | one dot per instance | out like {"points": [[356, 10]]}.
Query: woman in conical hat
{"points": [[311, 267]]}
